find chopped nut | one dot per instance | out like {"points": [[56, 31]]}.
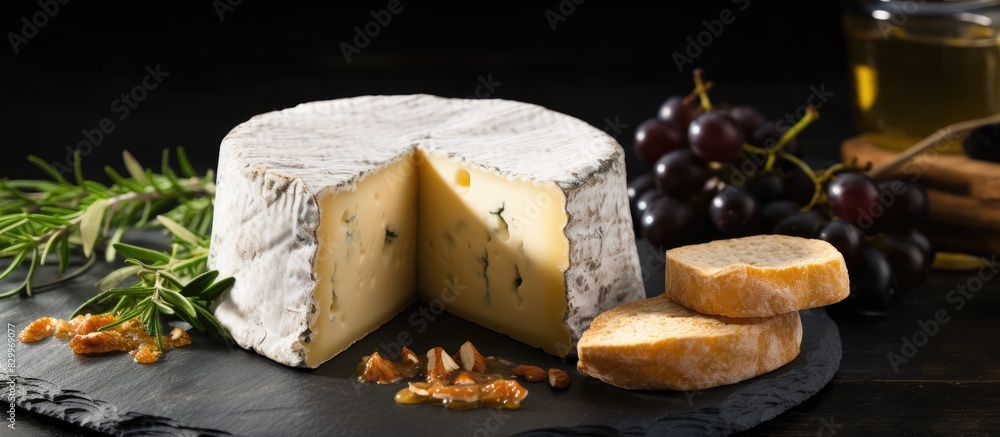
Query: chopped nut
{"points": [[464, 378], [472, 360], [421, 388], [530, 373], [558, 378], [408, 355], [439, 365], [379, 370]]}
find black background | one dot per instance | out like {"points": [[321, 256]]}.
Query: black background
{"points": [[605, 61]]}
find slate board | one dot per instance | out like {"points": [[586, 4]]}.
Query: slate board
{"points": [[208, 389]]}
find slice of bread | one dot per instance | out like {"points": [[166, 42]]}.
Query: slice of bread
{"points": [[756, 276], [658, 344]]}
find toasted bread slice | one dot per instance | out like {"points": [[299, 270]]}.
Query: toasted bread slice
{"points": [[659, 344], [756, 276]]}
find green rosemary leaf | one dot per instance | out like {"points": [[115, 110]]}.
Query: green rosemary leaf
{"points": [[78, 168], [110, 251], [47, 220], [152, 322], [48, 169], [191, 263], [15, 192], [172, 278], [131, 291], [215, 290], [186, 169], [141, 253], [30, 279], [182, 233], [134, 168], [18, 260], [13, 249], [63, 255], [58, 211], [147, 207], [201, 282], [219, 330], [206, 221], [117, 277], [14, 226], [127, 183], [139, 309], [163, 307], [97, 189], [90, 225], [123, 304], [175, 185], [49, 244], [179, 303]]}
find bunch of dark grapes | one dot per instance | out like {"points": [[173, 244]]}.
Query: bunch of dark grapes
{"points": [[729, 172]]}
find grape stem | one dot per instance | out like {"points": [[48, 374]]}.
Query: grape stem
{"points": [[811, 115], [812, 176], [702, 89]]}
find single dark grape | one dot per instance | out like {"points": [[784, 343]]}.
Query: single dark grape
{"points": [[747, 118], [923, 243], [745, 168], [799, 187], [639, 185], [846, 237], [983, 143], [734, 212], [715, 137], [768, 134], [905, 257], [766, 187], [669, 223], [805, 224], [872, 282], [655, 138], [852, 196], [644, 201], [679, 111], [680, 174], [776, 211], [902, 205]]}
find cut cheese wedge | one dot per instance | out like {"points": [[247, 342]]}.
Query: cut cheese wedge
{"points": [[756, 276], [659, 344], [333, 216]]}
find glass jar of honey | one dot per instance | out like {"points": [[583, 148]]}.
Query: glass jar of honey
{"points": [[920, 65]]}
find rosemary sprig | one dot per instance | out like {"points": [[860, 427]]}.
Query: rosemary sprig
{"points": [[170, 283], [55, 218], [39, 218]]}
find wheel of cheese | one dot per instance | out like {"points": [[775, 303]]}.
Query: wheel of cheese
{"points": [[333, 216]]}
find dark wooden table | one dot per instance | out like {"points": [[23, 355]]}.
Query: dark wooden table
{"points": [[905, 373]]}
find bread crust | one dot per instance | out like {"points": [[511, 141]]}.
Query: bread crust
{"points": [[680, 349], [746, 290]]}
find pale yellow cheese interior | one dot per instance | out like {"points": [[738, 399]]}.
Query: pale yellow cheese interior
{"points": [[483, 247]]}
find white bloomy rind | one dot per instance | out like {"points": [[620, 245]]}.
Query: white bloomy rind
{"points": [[273, 167]]}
